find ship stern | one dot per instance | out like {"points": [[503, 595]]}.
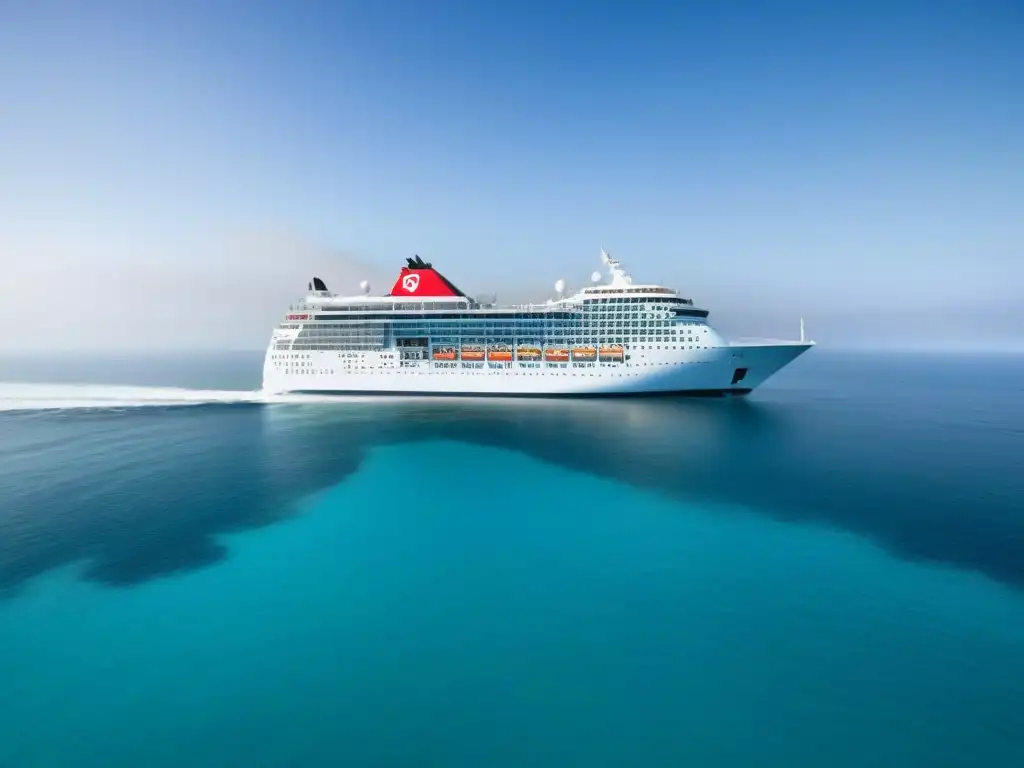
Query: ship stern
{"points": [[270, 383]]}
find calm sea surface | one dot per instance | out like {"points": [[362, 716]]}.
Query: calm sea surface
{"points": [[828, 573]]}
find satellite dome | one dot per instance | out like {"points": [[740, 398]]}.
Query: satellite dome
{"points": [[364, 286], [596, 277], [559, 285]]}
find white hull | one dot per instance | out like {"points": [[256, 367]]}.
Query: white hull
{"points": [[703, 371]]}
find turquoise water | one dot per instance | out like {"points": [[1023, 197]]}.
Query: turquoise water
{"points": [[509, 584]]}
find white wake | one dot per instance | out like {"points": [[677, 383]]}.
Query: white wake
{"points": [[31, 397]]}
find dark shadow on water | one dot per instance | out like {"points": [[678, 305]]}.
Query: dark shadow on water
{"points": [[124, 565], [145, 493]]}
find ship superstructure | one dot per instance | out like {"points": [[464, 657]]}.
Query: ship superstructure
{"points": [[425, 336]]}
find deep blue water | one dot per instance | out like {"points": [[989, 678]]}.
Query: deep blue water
{"points": [[830, 572]]}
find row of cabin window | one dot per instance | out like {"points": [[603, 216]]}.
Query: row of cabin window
{"points": [[364, 369]]}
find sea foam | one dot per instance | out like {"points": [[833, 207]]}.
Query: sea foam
{"points": [[40, 396]]}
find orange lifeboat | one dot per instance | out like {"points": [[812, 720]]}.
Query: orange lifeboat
{"points": [[556, 355], [499, 353]]}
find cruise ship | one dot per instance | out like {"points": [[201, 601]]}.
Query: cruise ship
{"points": [[426, 337]]}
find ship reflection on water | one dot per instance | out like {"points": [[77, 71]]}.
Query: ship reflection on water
{"points": [[691, 450], [799, 461], [642, 441]]}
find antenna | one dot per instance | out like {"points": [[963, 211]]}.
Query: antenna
{"points": [[802, 337]]}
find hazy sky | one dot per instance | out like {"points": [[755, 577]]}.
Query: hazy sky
{"points": [[172, 174]]}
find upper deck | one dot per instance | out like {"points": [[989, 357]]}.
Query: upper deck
{"points": [[421, 289]]}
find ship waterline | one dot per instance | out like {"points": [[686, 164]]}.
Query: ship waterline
{"points": [[427, 337]]}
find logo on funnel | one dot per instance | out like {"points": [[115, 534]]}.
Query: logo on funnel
{"points": [[411, 282]]}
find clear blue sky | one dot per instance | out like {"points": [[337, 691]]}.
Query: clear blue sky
{"points": [[836, 160]]}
